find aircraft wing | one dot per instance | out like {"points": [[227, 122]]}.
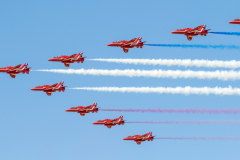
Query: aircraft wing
{"points": [[15, 68], [51, 87], [84, 109], [139, 138], [197, 28], [69, 58], [111, 122], [194, 30], [129, 42], [144, 135]]}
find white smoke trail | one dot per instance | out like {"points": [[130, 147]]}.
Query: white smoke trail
{"points": [[178, 90], [176, 62], [220, 75]]}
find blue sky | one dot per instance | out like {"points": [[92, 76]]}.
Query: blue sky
{"points": [[35, 126]]}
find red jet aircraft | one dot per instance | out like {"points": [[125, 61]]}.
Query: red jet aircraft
{"points": [[12, 71], [189, 32], [236, 21], [110, 122], [50, 88], [140, 138], [83, 110], [125, 45], [68, 59]]}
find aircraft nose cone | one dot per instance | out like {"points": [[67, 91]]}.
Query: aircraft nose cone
{"points": [[173, 32], [51, 59], [125, 138], [230, 22], [67, 110], [94, 123], [32, 89]]}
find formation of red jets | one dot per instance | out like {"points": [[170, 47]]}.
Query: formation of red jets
{"points": [[67, 60], [110, 122]]}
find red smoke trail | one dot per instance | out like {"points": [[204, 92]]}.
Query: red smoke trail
{"points": [[188, 122], [210, 111], [200, 138]]}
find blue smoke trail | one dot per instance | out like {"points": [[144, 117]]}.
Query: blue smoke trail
{"points": [[196, 46], [227, 33]]}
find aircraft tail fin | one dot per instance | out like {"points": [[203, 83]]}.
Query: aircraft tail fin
{"points": [[59, 85], [149, 134], [78, 55], [120, 118], [201, 28], [24, 66], [137, 40], [94, 105]]}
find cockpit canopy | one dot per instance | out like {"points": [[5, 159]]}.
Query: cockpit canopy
{"points": [[74, 107], [59, 56]]}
